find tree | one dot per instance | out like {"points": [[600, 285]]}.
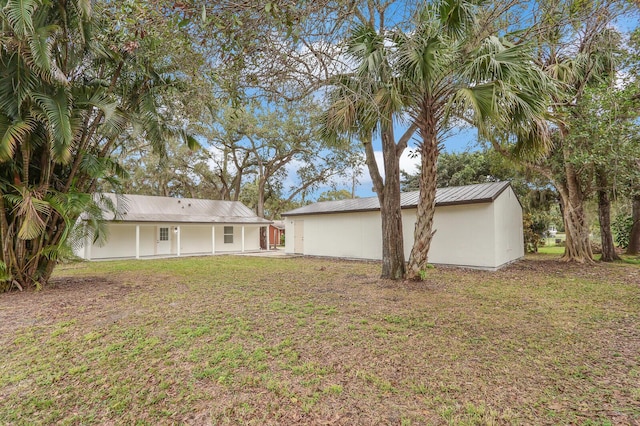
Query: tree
{"points": [[576, 46], [335, 195], [603, 137], [367, 102], [68, 91], [451, 71], [634, 234]]}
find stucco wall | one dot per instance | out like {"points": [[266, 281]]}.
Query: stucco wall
{"points": [[148, 236], [340, 235], [121, 242], [195, 239], [466, 235], [508, 224]]}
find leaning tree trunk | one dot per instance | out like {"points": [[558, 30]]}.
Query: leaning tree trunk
{"points": [[634, 238], [423, 233], [604, 214]]}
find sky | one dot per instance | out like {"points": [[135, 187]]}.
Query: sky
{"points": [[464, 140]]}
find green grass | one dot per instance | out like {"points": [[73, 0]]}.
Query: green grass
{"points": [[551, 250], [238, 340]]}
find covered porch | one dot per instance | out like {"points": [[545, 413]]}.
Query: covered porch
{"points": [[153, 240]]}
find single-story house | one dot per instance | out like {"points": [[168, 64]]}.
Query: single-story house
{"points": [[477, 226], [147, 226]]}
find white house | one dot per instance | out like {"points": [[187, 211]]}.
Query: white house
{"points": [[146, 226], [477, 226]]}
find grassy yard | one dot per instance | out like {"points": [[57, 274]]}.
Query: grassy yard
{"points": [[238, 340]]}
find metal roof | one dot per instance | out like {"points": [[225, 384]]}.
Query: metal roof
{"points": [[145, 208], [454, 195]]}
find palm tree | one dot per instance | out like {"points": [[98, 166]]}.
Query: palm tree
{"points": [[452, 75], [365, 103], [66, 96]]}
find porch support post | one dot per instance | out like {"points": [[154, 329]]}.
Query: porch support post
{"points": [[213, 239], [268, 237], [178, 241], [242, 249], [137, 241]]}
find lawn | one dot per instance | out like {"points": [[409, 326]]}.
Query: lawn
{"points": [[239, 340]]}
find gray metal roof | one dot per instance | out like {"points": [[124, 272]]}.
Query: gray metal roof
{"points": [[454, 195], [145, 208]]}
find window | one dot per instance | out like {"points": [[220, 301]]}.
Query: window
{"points": [[164, 234], [228, 234]]}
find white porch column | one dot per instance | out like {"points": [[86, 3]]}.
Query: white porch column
{"points": [[213, 239], [178, 241], [137, 241], [242, 249], [268, 237]]}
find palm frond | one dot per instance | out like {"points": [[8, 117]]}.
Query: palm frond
{"points": [[40, 45], [16, 83], [19, 14], [12, 134], [58, 116], [32, 210]]}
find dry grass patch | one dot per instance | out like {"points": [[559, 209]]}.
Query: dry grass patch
{"points": [[237, 340]]}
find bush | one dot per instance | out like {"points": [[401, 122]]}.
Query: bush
{"points": [[621, 227]]}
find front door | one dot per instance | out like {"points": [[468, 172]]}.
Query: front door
{"points": [[163, 241]]}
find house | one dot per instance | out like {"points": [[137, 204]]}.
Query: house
{"points": [[477, 226], [276, 233], [146, 226]]}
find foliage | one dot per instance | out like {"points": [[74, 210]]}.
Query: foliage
{"points": [[451, 71], [578, 46], [335, 194], [464, 168], [622, 225], [68, 92], [533, 232], [276, 147]]}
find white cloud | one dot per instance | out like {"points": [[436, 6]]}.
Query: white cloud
{"points": [[408, 164]]}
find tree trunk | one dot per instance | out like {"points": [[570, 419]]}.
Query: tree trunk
{"points": [[604, 214], [634, 238], [388, 192], [260, 204], [577, 245], [393, 262], [423, 233]]}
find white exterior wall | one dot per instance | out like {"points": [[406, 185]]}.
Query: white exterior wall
{"points": [[148, 236], [508, 225], [251, 238], [484, 235], [194, 239], [464, 236], [345, 235], [121, 242]]}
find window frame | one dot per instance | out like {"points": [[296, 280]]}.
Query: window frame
{"points": [[228, 234]]}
